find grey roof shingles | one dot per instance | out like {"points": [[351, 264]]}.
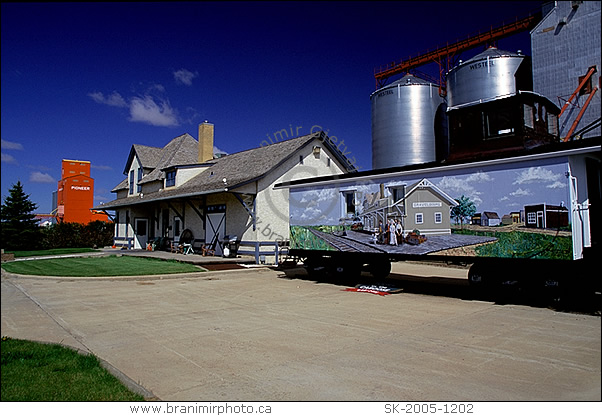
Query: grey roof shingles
{"points": [[238, 168]]}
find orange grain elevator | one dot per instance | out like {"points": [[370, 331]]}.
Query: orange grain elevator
{"points": [[75, 195]]}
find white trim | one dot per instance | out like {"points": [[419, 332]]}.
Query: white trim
{"points": [[436, 169], [444, 231]]}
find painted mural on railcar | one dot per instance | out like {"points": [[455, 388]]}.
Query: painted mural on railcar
{"points": [[519, 210]]}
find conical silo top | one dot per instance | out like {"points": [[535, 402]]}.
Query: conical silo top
{"points": [[491, 52], [409, 79], [406, 80]]}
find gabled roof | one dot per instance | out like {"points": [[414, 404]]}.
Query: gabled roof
{"points": [[425, 183], [238, 169], [147, 155], [491, 215], [181, 150]]}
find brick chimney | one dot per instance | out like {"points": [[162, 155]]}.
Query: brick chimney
{"points": [[205, 142]]}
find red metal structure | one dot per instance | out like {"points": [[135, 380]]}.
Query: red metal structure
{"points": [[75, 195], [442, 55], [579, 91], [580, 115]]}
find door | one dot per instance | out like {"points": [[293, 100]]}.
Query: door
{"points": [[540, 221], [140, 233], [215, 227]]}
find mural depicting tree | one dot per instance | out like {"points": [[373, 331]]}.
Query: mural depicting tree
{"points": [[463, 211]]}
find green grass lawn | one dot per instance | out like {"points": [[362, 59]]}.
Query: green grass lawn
{"points": [[99, 266], [58, 251], [523, 244], [40, 372]]}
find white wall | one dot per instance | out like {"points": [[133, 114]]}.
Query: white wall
{"points": [[273, 204]]}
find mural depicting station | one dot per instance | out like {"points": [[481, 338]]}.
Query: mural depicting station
{"points": [[428, 211]]}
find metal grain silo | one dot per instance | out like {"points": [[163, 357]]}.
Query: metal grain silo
{"points": [[489, 75], [403, 122]]}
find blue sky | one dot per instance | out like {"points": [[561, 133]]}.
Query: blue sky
{"points": [[85, 81]]}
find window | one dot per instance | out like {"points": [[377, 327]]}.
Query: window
{"points": [[170, 178], [438, 217], [139, 188], [419, 218], [499, 122], [528, 116], [132, 182], [349, 203], [316, 151], [587, 87], [140, 227], [531, 218], [398, 193]]}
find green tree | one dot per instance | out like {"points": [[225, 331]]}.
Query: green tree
{"points": [[19, 228], [464, 209]]}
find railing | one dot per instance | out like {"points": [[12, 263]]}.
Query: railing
{"points": [[262, 249], [258, 249], [124, 242]]}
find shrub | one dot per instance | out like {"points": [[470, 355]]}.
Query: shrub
{"points": [[76, 235]]}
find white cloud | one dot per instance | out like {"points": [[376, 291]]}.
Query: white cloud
{"points": [[157, 87], [9, 145], [521, 192], [317, 196], [218, 151], [146, 110], [311, 213], [101, 199], [537, 175], [113, 100], [39, 177], [7, 158], [556, 185], [100, 167], [456, 187], [184, 76], [479, 177]]}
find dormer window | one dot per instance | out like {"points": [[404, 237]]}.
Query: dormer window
{"points": [[140, 173], [170, 178], [132, 182]]}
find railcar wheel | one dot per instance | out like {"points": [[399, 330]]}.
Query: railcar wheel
{"points": [[315, 267], [477, 276], [346, 270], [380, 269]]}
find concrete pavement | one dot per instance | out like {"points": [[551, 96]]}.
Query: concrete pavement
{"points": [[259, 334]]}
